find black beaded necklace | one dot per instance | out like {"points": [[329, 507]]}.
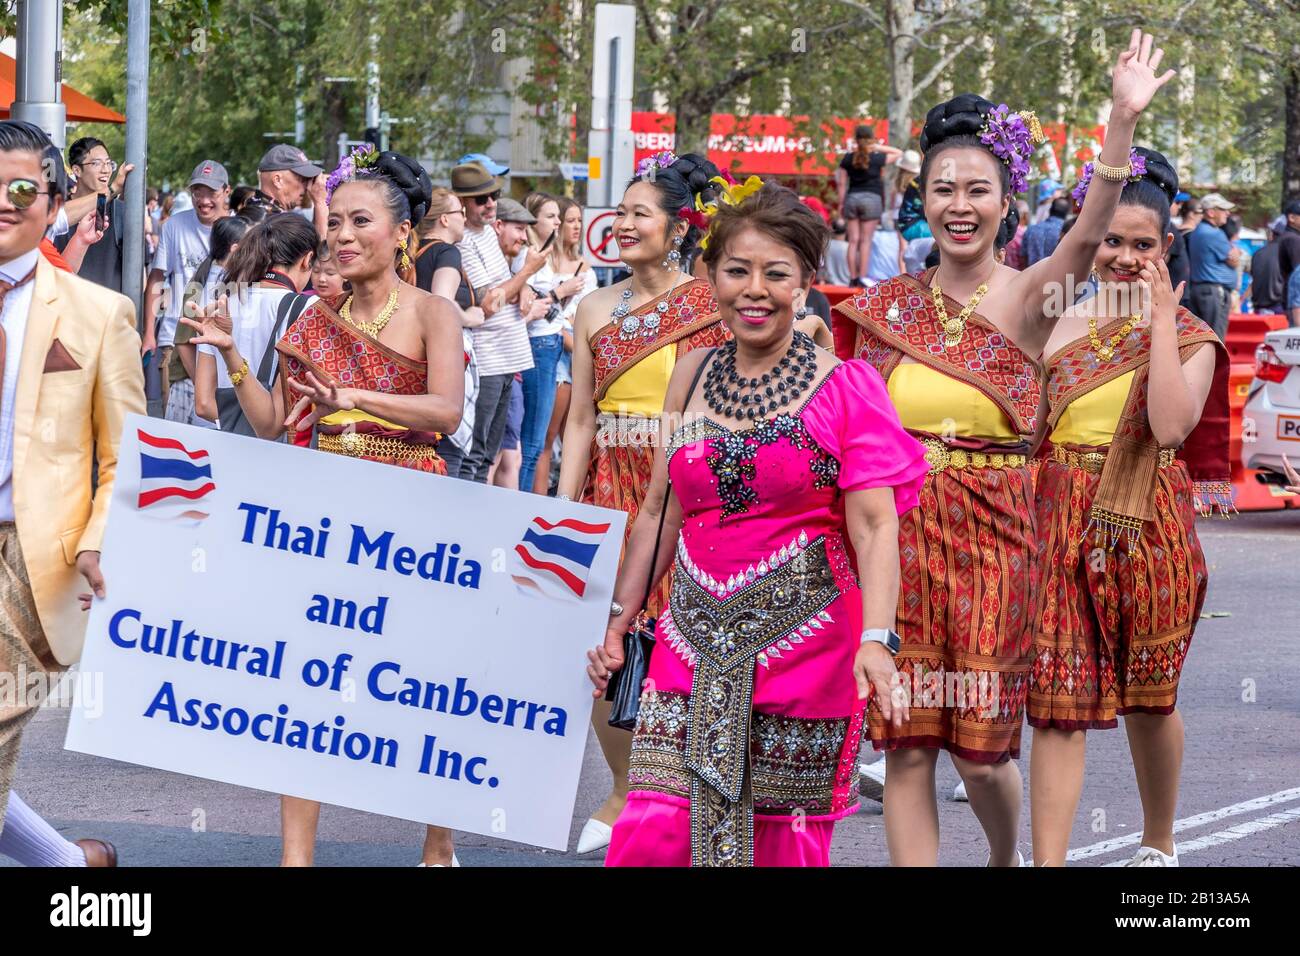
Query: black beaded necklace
{"points": [[735, 396]]}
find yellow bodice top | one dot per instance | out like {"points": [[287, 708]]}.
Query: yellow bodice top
{"points": [[357, 415], [929, 401], [1091, 419], [641, 389]]}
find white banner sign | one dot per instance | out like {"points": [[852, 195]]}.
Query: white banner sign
{"points": [[355, 633]]}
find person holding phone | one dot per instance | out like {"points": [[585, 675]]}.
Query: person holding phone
{"points": [[545, 331], [94, 197]]}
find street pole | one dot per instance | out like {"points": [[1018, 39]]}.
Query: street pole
{"points": [[38, 85], [137, 135]]}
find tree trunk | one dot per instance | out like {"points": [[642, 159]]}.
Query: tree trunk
{"points": [[692, 126], [900, 45], [1291, 150], [336, 118]]}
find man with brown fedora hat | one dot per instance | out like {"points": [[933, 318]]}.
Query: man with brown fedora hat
{"points": [[501, 344]]}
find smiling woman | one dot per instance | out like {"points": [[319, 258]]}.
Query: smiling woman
{"points": [[966, 337], [375, 373]]}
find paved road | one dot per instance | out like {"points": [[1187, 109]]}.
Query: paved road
{"points": [[1241, 780]]}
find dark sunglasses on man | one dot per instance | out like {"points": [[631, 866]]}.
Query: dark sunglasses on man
{"points": [[490, 197], [23, 192]]}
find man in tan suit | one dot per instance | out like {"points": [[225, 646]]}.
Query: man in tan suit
{"points": [[70, 356]]}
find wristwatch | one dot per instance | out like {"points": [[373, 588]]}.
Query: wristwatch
{"points": [[883, 635]]}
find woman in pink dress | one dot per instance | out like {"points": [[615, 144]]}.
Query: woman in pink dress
{"points": [[788, 470]]}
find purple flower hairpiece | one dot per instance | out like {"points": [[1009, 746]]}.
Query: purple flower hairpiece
{"points": [[1011, 140], [660, 160], [356, 163], [1137, 161]]}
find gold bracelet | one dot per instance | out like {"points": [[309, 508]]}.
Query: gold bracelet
{"points": [[1114, 174], [237, 377]]}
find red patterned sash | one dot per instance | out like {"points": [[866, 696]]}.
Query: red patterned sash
{"points": [[1125, 493], [692, 316], [896, 318], [334, 351]]}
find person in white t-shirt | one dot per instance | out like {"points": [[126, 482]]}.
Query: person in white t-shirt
{"points": [[182, 247], [273, 261]]}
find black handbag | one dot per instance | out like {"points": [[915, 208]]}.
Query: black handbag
{"points": [[624, 688]]}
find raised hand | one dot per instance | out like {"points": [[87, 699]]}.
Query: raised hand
{"points": [[214, 325], [1134, 81], [323, 399], [1161, 295]]}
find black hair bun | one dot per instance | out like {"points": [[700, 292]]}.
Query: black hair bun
{"points": [[962, 115], [697, 173], [410, 177], [1159, 171]]}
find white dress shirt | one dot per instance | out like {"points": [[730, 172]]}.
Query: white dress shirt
{"points": [[14, 319]]}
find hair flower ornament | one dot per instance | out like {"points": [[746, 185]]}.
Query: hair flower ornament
{"points": [[696, 217], [661, 160], [1138, 169], [357, 163], [1012, 138], [731, 193]]}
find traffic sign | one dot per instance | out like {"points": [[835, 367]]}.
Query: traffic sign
{"points": [[598, 236]]}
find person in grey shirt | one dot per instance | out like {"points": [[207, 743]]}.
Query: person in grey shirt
{"points": [[835, 264]]}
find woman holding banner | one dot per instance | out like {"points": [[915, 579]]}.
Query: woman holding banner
{"points": [[959, 347], [628, 338], [788, 470], [376, 373]]}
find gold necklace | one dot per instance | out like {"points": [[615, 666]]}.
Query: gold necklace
{"points": [[1106, 351], [954, 328], [374, 327]]}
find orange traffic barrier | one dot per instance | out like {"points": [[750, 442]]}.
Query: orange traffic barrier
{"points": [[1245, 333]]}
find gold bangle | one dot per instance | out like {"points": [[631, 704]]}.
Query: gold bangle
{"points": [[1114, 174], [237, 377]]}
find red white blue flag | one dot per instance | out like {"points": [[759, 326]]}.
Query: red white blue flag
{"points": [[555, 558], [174, 479]]}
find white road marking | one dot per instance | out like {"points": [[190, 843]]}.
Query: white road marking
{"points": [[1238, 832], [1187, 823]]}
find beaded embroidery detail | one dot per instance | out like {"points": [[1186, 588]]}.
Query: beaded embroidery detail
{"points": [[732, 460]]}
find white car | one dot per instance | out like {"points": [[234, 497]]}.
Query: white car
{"points": [[1271, 419]]}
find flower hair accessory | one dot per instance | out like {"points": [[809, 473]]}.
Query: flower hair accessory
{"points": [[729, 192], [357, 163], [1138, 169], [661, 160], [1012, 138]]}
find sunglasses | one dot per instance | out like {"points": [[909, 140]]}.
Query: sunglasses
{"points": [[23, 192], [490, 197]]}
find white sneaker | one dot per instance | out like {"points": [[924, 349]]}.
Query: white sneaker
{"points": [[454, 862], [959, 793], [1150, 856], [594, 836], [1020, 859], [871, 780]]}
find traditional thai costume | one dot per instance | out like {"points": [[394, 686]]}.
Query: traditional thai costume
{"points": [[745, 748], [965, 603], [1124, 576], [321, 342], [631, 378]]}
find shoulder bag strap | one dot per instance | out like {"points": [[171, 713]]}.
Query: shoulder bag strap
{"points": [[286, 314], [654, 558]]}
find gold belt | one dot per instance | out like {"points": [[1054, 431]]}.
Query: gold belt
{"points": [[362, 445], [941, 456], [1093, 461]]}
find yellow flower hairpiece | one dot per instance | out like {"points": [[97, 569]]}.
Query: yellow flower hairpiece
{"points": [[733, 194], [1035, 128]]}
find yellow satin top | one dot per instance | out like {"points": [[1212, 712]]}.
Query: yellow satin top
{"points": [[1091, 419], [356, 415], [641, 389], [929, 401]]}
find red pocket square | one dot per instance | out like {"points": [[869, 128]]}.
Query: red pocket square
{"points": [[59, 359]]}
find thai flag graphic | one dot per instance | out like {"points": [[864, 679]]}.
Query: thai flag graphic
{"points": [[172, 478], [555, 559]]}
